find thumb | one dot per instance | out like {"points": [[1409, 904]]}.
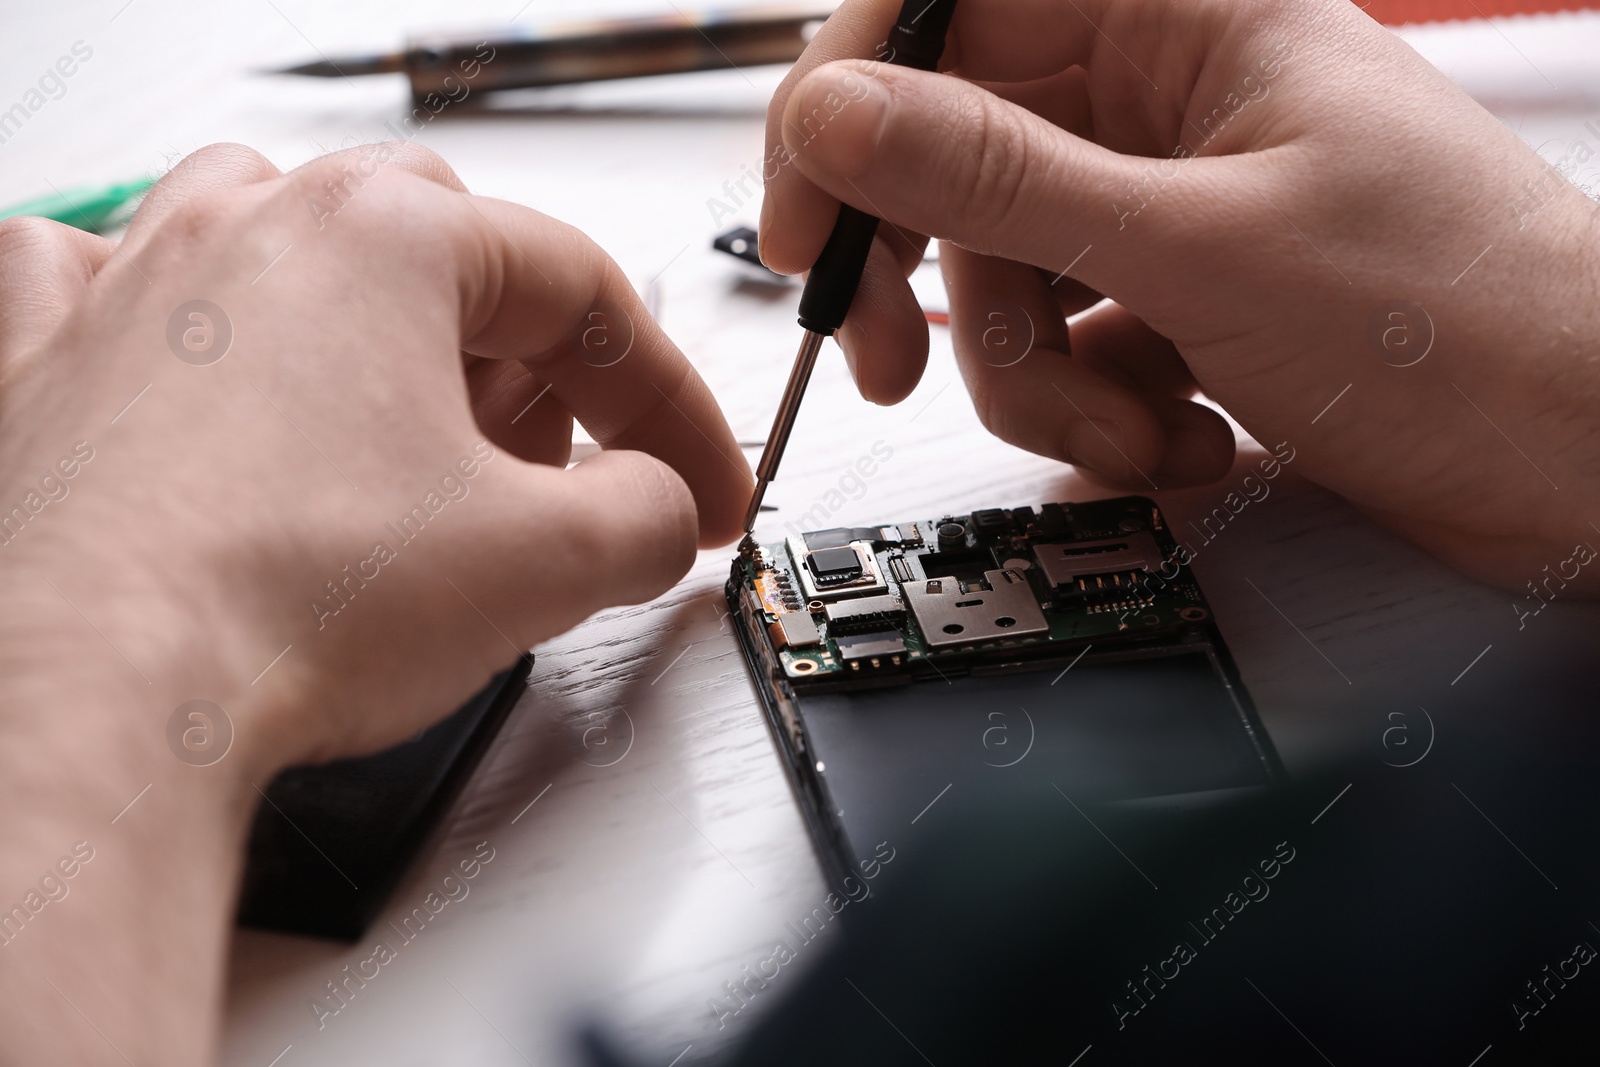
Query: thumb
{"points": [[556, 545], [938, 155]]}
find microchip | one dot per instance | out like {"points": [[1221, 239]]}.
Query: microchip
{"points": [[828, 572], [834, 565]]}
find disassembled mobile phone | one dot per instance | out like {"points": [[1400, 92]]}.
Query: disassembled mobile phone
{"points": [[1065, 646]]}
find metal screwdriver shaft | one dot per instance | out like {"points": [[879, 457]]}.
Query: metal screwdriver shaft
{"points": [[916, 41], [788, 408]]}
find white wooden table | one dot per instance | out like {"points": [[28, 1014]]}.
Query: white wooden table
{"points": [[646, 845]]}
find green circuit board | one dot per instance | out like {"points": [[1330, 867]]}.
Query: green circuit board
{"points": [[961, 592]]}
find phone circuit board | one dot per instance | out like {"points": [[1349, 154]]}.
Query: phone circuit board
{"points": [[888, 660], [962, 592]]}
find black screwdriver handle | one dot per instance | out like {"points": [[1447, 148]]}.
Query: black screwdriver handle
{"points": [[831, 288], [916, 41]]}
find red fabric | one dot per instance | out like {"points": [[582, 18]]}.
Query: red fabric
{"points": [[1395, 12]]}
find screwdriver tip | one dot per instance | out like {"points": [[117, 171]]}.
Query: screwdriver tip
{"points": [[344, 67], [755, 507]]}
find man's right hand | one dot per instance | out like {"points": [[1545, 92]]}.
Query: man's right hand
{"points": [[1292, 211]]}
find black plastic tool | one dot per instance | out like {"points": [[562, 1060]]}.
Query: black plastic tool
{"points": [[916, 41], [331, 842]]}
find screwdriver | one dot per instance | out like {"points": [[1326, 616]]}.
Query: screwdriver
{"points": [[917, 41], [517, 57]]}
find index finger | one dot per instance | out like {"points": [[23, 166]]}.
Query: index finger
{"points": [[536, 290]]}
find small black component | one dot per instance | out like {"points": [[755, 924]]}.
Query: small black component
{"points": [[966, 565], [1053, 521], [375, 813], [910, 535], [791, 599], [900, 569], [952, 533], [834, 571], [833, 565], [879, 645], [1024, 518], [991, 520], [840, 537]]}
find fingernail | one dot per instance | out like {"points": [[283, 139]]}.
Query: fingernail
{"points": [[836, 118], [1098, 445]]}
